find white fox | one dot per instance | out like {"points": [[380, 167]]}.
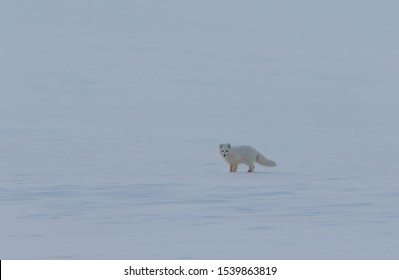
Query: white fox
{"points": [[243, 154]]}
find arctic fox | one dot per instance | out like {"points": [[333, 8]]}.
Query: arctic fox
{"points": [[243, 154]]}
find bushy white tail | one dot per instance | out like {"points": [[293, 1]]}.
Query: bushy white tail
{"points": [[264, 161]]}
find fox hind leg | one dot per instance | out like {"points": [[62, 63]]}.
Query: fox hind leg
{"points": [[251, 167]]}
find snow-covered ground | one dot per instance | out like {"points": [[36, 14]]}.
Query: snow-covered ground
{"points": [[111, 115]]}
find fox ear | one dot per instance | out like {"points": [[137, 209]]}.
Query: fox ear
{"points": [[228, 145], [220, 146]]}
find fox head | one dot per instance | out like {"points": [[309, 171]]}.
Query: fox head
{"points": [[224, 149]]}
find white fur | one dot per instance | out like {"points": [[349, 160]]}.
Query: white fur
{"points": [[243, 154]]}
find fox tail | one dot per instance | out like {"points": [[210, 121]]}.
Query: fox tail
{"points": [[264, 161]]}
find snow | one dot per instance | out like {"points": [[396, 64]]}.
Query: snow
{"points": [[111, 115]]}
